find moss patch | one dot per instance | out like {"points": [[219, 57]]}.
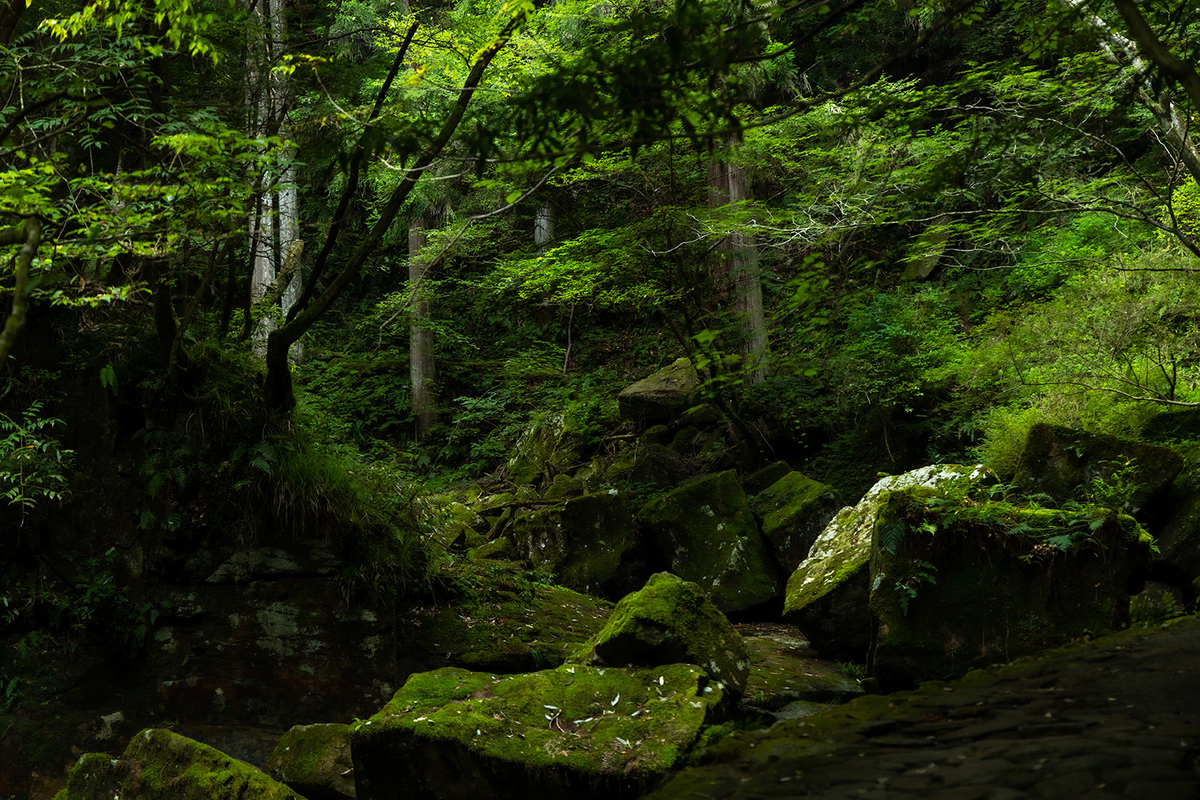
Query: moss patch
{"points": [[670, 621], [314, 760], [705, 531], [160, 764], [593, 732]]}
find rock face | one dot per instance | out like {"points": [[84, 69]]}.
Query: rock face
{"points": [[579, 732], [160, 765], [581, 541], [661, 397], [1063, 463], [962, 586], [784, 670], [794, 510], [315, 761], [705, 531], [670, 621], [1179, 537], [827, 596], [545, 448], [506, 628]]}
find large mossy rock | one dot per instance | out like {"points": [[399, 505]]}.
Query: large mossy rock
{"points": [[1063, 463], [315, 761], [661, 397], [160, 765], [575, 731], [1179, 536], [651, 466], [962, 585], [828, 594], [545, 448], [706, 533], [793, 511], [582, 541], [503, 627], [670, 621]]}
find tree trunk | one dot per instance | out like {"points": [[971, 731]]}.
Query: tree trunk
{"points": [[421, 370], [1125, 52], [735, 268], [543, 226], [274, 227]]}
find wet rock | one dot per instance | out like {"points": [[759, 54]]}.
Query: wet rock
{"points": [[160, 765], [763, 477], [544, 449], [706, 532], [315, 761], [505, 627], [651, 466], [270, 563], [962, 585], [1179, 535], [581, 542], [784, 670], [575, 731], [828, 594], [670, 621], [662, 396], [564, 486], [1064, 463], [793, 511]]}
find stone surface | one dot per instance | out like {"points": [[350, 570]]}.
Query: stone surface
{"points": [[827, 595], [575, 731], [670, 621], [504, 626], [785, 670], [705, 532], [1113, 718], [763, 477], [1062, 463], [651, 466], [160, 765], [544, 449], [662, 396], [965, 583], [315, 761], [581, 541], [792, 512]]}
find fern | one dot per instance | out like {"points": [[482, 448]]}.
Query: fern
{"points": [[892, 535]]}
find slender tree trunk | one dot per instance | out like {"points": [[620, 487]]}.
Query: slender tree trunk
{"points": [[1123, 51], [735, 268], [274, 227], [421, 370], [543, 226]]}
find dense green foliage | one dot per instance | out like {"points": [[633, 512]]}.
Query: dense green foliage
{"points": [[964, 220]]}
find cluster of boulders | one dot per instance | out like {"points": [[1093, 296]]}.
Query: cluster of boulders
{"points": [[559, 693]]}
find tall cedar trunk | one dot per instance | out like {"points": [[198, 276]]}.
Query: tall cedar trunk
{"points": [[734, 266], [543, 226], [421, 370], [274, 227]]}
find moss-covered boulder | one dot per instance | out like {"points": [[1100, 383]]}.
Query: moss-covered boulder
{"points": [[1068, 464], [763, 477], [793, 511], [827, 595], [662, 396], [545, 448], [705, 532], [160, 765], [502, 625], [1179, 535], [648, 467], [454, 524], [574, 731], [581, 541], [957, 586], [670, 621], [315, 761]]}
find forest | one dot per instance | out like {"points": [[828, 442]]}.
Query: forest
{"points": [[357, 352]]}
